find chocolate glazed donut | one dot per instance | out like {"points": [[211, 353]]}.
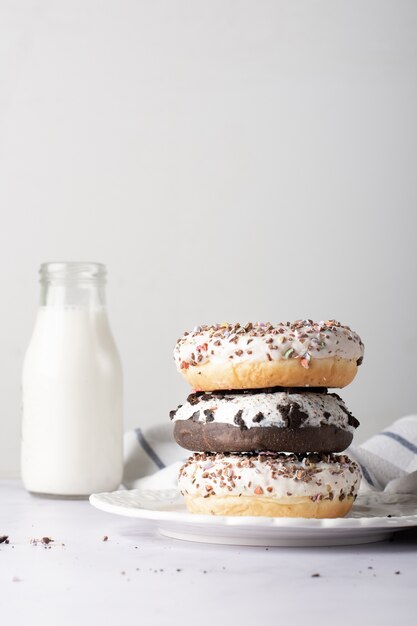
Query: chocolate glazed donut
{"points": [[275, 419], [216, 437]]}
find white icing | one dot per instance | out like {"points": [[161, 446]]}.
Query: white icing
{"points": [[282, 341], [269, 478], [224, 409]]}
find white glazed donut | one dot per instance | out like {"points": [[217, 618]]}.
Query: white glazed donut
{"points": [[299, 354], [275, 485]]}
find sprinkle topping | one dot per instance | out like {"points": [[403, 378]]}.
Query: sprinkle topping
{"points": [[263, 341], [318, 476]]}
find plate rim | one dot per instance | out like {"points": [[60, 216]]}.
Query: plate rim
{"points": [[100, 501]]}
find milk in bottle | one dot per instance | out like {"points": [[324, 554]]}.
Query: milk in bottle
{"points": [[72, 388]]}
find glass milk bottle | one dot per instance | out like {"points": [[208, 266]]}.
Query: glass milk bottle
{"points": [[72, 387]]}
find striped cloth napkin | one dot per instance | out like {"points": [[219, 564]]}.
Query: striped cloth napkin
{"points": [[388, 460]]}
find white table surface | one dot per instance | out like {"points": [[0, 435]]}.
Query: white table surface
{"points": [[139, 577]]}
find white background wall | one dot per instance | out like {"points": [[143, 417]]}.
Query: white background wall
{"points": [[227, 160]]}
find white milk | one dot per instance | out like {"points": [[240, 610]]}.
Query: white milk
{"points": [[72, 404]]}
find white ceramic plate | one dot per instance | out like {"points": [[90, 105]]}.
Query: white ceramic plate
{"points": [[373, 518]]}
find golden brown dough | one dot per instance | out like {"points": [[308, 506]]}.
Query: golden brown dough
{"points": [[268, 506], [328, 372]]}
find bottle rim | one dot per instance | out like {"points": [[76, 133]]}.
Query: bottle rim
{"points": [[72, 271]]}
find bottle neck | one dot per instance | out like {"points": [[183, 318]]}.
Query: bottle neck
{"points": [[73, 285]]}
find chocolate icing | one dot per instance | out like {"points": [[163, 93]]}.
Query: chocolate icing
{"points": [[218, 437]]}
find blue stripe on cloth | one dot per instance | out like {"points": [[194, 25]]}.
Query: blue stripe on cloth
{"points": [[366, 475], [148, 449], [404, 442]]}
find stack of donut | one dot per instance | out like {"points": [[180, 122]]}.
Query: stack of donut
{"points": [[267, 432]]}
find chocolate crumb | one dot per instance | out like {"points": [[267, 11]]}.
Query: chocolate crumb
{"points": [[4, 539], [292, 415], [352, 421], [209, 415], [316, 575], [193, 398], [398, 572], [46, 540], [239, 421], [258, 417], [105, 538]]}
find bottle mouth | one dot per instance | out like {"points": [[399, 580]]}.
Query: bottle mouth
{"points": [[63, 271]]}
